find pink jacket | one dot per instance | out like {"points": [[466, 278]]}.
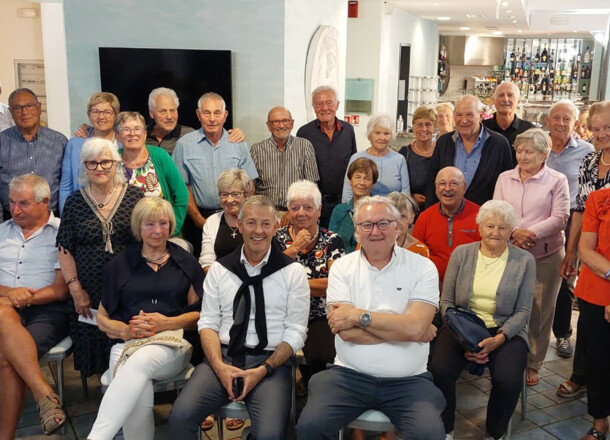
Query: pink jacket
{"points": [[542, 203]]}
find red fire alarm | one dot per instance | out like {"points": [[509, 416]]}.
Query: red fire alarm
{"points": [[352, 9]]}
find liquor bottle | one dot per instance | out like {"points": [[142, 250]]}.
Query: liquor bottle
{"points": [[521, 72], [537, 57], [584, 87], [582, 73], [575, 71], [552, 72], [523, 57], [552, 56], [578, 58], [587, 72], [517, 56], [507, 73], [512, 56], [544, 55], [587, 56]]}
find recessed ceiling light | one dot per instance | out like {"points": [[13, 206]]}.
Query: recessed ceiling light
{"points": [[497, 32], [434, 4], [443, 18], [508, 11], [465, 28], [515, 21], [520, 31], [511, 16], [505, 4]]}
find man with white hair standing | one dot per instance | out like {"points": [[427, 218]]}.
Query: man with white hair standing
{"points": [[164, 130]]}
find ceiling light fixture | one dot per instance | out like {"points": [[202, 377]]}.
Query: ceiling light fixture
{"points": [[465, 28], [443, 18], [505, 4], [497, 32]]}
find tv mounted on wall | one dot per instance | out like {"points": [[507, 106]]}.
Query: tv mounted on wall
{"points": [[132, 73]]}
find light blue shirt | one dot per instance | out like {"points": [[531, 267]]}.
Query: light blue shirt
{"points": [[393, 175], [568, 163], [200, 164], [30, 262], [469, 163]]}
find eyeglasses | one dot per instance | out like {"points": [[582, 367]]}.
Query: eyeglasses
{"points": [[452, 185], [279, 122], [92, 165], [20, 108], [382, 225], [328, 103], [136, 130], [96, 113], [235, 195]]}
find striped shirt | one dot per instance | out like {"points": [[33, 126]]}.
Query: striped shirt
{"points": [[42, 156], [200, 163], [277, 170]]}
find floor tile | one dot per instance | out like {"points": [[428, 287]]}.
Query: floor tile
{"points": [[470, 397], [567, 410], [539, 401], [540, 418], [569, 429], [533, 434]]}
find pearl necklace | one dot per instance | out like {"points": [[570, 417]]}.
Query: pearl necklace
{"points": [[101, 205], [153, 260], [601, 157]]}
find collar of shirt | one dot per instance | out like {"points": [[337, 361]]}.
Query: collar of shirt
{"points": [[288, 142], [515, 173], [483, 135], [458, 211], [254, 270], [224, 138], [175, 133], [337, 125], [52, 222], [393, 257]]}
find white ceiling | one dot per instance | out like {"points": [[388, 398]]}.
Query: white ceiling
{"points": [[527, 17]]}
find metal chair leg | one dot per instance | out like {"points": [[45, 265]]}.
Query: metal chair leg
{"points": [[524, 396], [85, 385]]}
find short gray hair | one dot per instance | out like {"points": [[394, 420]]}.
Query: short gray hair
{"points": [[375, 200], [214, 97], [404, 202], [381, 120], [234, 177], [146, 209], [257, 200], [128, 116], [21, 90], [444, 106], [573, 109], [499, 208], [304, 189], [537, 138], [161, 91], [39, 186], [92, 148], [479, 106], [512, 86], [322, 89]]}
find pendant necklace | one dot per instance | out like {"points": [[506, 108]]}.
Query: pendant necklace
{"points": [[154, 260], [101, 205], [234, 231], [489, 264]]}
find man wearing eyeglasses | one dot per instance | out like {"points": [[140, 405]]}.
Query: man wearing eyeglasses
{"points": [[29, 148], [381, 301], [282, 159]]}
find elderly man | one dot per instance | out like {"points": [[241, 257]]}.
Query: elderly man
{"points": [[334, 142], [33, 311], [506, 99], [381, 301], [450, 222], [480, 153], [164, 130], [282, 159], [253, 319], [566, 154], [29, 148], [200, 157], [6, 120]]}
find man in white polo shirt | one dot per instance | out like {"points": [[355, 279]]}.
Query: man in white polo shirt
{"points": [[381, 303]]}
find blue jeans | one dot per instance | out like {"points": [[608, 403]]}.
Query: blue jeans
{"points": [[338, 395]]}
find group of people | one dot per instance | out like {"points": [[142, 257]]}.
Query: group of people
{"points": [[352, 257]]}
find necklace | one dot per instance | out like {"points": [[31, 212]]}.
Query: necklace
{"points": [[495, 260], [154, 260], [101, 205], [234, 231], [403, 241], [421, 151], [601, 157]]}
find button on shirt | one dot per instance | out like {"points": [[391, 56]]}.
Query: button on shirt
{"points": [[407, 277], [200, 163], [466, 162], [286, 304], [28, 262], [42, 156]]}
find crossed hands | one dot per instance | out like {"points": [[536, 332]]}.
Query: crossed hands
{"points": [[145, 325], [226, 373]]}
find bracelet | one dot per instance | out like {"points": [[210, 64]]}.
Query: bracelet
{"points": [[607, 276], [71, 280]]}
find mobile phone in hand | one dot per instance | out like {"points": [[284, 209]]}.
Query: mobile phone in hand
{"points": [[238, 386]]}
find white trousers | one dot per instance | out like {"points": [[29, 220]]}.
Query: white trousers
{"points": [[129, 400]]}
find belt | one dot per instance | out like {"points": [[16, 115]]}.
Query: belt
{"points": [[252, 351], [331, 197]]}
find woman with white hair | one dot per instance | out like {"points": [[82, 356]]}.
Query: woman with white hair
{"points": [[541, 198], [445, 119], [393, 172], [316, 249], [95, 226]]}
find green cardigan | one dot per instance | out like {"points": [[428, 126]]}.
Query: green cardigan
{"points": [[172, 185]]}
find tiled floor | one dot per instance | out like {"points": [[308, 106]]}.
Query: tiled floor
{"points": [[548, 416]]}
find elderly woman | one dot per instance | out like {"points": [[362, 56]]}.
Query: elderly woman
{"points": [[316, 249], [150, 296], [583, 129], [593, 291], [408, 209], [541, 198], [445, 119], [149, 168], [94, 228], [102, 109], [393, 173], [362, 174], [220, 233], [420, 151], [495, 280]]}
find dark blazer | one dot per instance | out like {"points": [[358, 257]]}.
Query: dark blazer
{"points": [[515, 291], [495, 159]]}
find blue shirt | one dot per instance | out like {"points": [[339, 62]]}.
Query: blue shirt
{"points": [[42, 156], [469, 163], [200, 164], [568, 163]]}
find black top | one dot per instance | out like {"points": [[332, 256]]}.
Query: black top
{"points": [[495, 159], [227, 239], [512, 131], [418, 167], [333, 156]]}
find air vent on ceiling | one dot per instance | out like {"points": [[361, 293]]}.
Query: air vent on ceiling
{"points": [[560, 21]]}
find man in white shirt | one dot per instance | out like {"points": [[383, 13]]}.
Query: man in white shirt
{"points": [[381, 303], [253, 319]]}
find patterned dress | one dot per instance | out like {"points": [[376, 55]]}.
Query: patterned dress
{"points": [[92, 244]]}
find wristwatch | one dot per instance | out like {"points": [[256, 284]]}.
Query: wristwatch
{"points": [[365, 319], [268, 367]]}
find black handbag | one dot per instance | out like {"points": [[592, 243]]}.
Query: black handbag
{"points": [[467, 328]]}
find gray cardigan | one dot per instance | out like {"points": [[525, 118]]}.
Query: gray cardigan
{"points": [[514, 295]]}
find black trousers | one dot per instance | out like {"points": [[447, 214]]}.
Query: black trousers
{"points": [[506, 365], [319, 348], [192, 234], [579, 364], [565, 301]]}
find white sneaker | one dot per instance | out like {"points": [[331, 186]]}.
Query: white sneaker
{"points": [[449, 436]]}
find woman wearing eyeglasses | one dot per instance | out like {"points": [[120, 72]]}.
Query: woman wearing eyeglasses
{"points": [[150, 168], [95, 226], [102, 109]]}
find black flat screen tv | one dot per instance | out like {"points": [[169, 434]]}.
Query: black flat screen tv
{"points": [[131, 74]]}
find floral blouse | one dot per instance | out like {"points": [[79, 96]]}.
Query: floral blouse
{"points": [[144, 178], [588, 180]]}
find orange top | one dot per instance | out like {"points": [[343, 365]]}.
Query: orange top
{"points": [[590, 287], [420, 248]]}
